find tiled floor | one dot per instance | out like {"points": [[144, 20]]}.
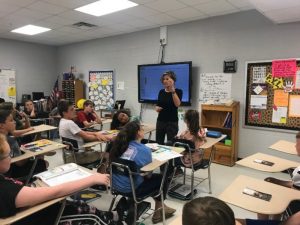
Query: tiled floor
{"points": [[222, 176]]}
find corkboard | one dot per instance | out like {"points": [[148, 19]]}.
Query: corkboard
{"points": [[262, 115]]}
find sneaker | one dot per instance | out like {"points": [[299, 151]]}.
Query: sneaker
{"points": [[157, 216], [121, 207]]}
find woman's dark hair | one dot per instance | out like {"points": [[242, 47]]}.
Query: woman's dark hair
{"points": [[191, 117], [7, 106], [4, 113], [207, 211], [171, 74], [63, 106], [127, 134], [115, 123]]}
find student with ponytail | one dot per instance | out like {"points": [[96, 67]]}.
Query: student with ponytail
{"points": [[127, 146]]}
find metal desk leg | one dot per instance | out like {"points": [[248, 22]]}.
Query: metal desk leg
{"points": [[31, 171], [61, 210]]}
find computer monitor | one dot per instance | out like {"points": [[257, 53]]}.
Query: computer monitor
{"points": [[37, 96], [119, 104]]}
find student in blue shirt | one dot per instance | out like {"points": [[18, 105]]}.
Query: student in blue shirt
{"points": [[127, 146]]}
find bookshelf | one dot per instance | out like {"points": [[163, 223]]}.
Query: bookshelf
{"points": [[73, 90], [226, 120]]}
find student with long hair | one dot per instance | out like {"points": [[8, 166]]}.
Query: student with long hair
{"points": [[127, 146], [120, 119], [195, 134]]}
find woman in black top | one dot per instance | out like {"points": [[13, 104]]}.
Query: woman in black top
{"points": [[169, 99]]}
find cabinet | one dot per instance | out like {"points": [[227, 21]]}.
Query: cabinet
{"points": [[73, 90], [213, 117]]}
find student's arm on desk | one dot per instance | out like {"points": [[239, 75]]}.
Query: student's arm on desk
{"points": [[293, 220], [92, 136], [29, 196], [18, 133], [284, 183]]}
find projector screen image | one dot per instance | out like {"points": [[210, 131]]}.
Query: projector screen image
{"points": [[149, 83]]}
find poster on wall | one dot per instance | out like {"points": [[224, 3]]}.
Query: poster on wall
{"points": [[215, 87], [8, 85], [101, 89]]}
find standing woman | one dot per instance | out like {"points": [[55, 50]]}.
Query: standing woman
{"points": [[169, 99]]}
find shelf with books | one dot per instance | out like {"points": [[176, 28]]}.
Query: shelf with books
{"points": [[226, 120]]}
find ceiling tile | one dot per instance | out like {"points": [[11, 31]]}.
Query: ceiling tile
{"points": [[47, 8], [119, 17], [240, 3], [69, 29], [268, 5], [162, 19], [142, 1], [7, 8], [165, 5], [284, 15], [30, 14], [59, 20], [21, 3], [71, 4], [185, 13], [75, 15], [194, 2], [215, 7], [141, 23], [141, 11]]}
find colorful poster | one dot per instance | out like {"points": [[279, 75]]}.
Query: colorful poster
{"points": [[259, 74], [294, 106], [276, 83], [279, 115], [255, 115], [281, 98], [284, 68]]}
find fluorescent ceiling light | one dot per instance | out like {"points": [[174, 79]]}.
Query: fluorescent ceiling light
{"points": [[104, 7], [30, 30]]}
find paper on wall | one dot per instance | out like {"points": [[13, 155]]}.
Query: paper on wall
{"points": [[294, 106], [279, 115], [258, 102], [259, 74]]}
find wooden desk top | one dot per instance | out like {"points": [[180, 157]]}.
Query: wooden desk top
{"points": [[212, 141], [284, 146], [279, 163], [28, 154], [148, 127], [40, 128], [281, 196], [156, 163]]}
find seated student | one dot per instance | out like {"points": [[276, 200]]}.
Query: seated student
{"points": [[21, 168], [29, 109], [212, 211], [22, 123], [127, 146], [195, 134], [120, 119], [88, 117], [69, 129], [294, 183], [14, 195]]}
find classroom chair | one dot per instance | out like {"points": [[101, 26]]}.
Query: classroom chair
{"points": [[72, 150], [82, 219], [204, 164], [129, 169]]}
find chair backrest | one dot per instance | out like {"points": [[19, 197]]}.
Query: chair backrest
{"points": [[126, 168], [68, 141], [177, 142]]}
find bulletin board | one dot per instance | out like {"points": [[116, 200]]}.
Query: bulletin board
{"points": [[101, 89], [8, 85], [273, 94]]}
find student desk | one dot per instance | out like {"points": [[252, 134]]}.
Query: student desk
{"points": [[284, 146], [156, 163], [28, 154], [178, 221], [281, 196], [279, 163], [210, 142], [39, 129]]}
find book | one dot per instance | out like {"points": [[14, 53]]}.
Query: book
{"points": [[62, 174], [37, 145], [86, 195]]}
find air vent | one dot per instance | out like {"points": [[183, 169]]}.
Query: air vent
{"points": [[84, 26]]}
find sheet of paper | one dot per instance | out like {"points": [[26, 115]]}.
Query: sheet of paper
{"points": [[294, 106], [259, 74], [258, 102], [279, 115], [67, 177], [284, 68], [297, 79], [281, 98], [163, 154]]}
